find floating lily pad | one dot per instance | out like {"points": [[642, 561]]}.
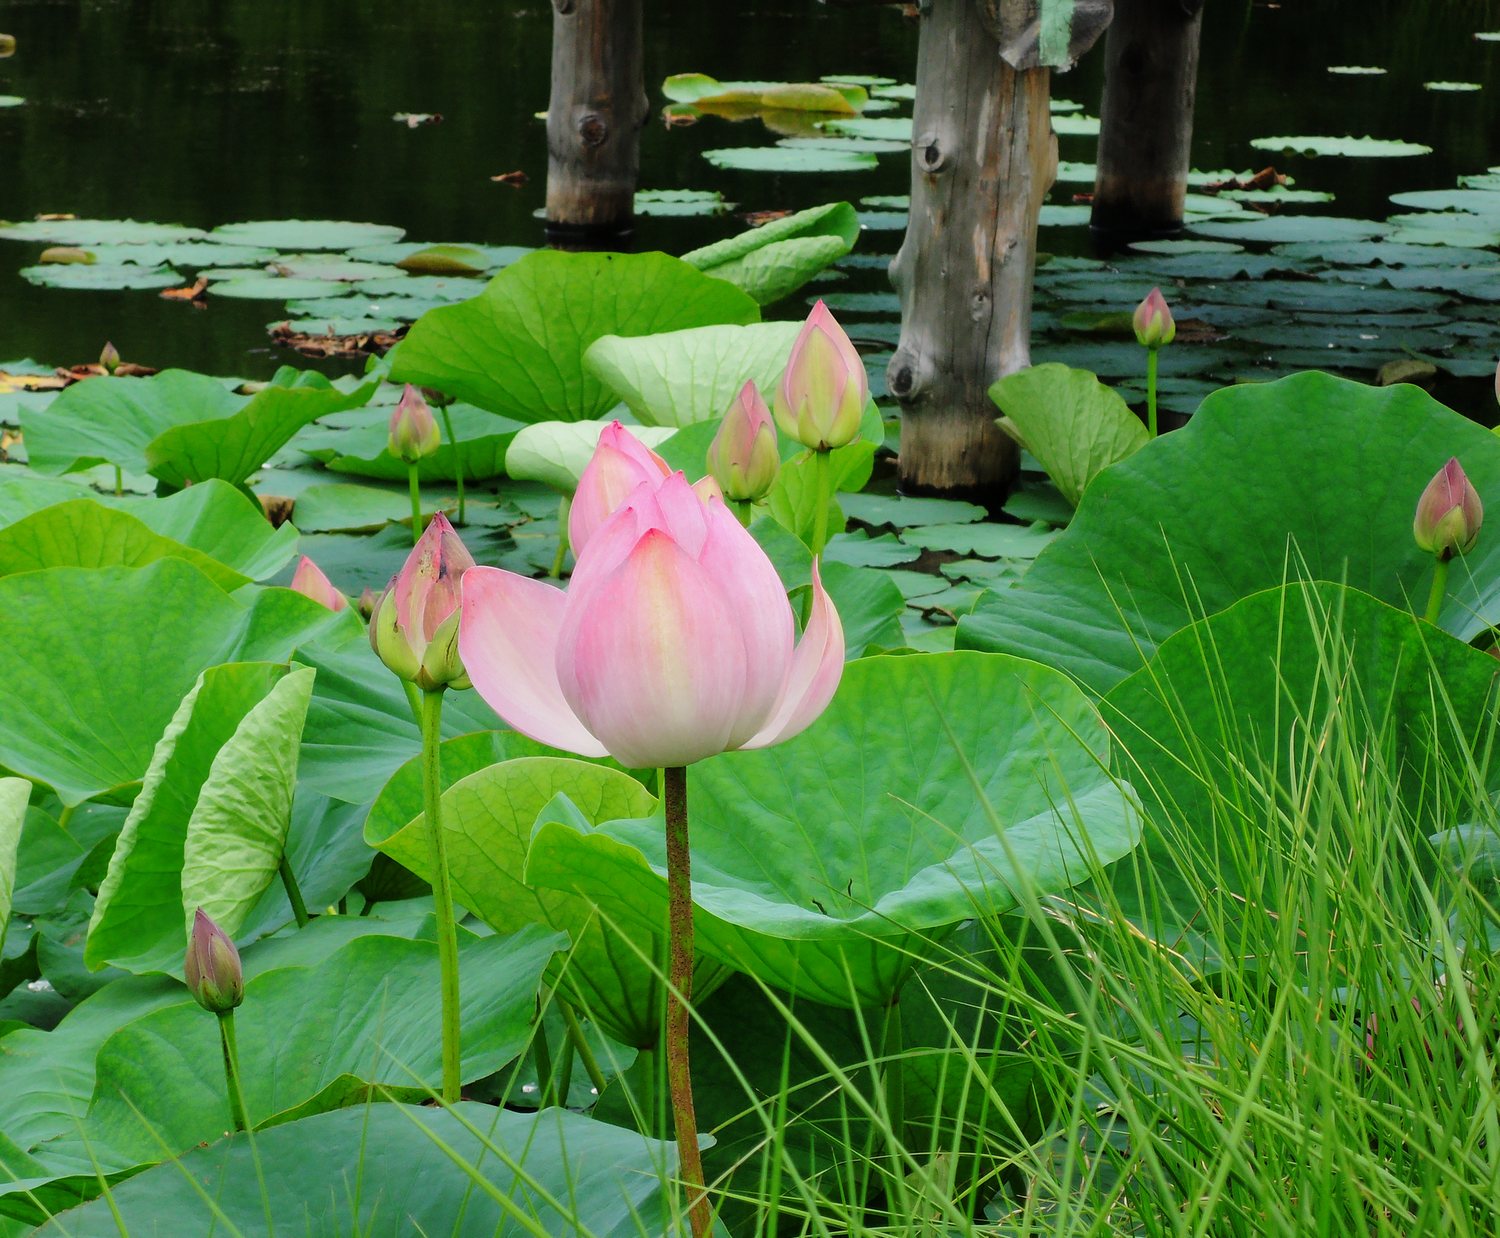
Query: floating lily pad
{"points": [[890, 128], [1070, 124], [829, 886], [1477, 202], [96, 277], [1278, 196], [1350, 147], [1184, 245], [298, 234], [1452, 87], [1282, 229], [188, 255], [858, 79], [11, 100], [334, 267], [901, 512], [899, 90], [855, 146], [1356, 70], [1071, 215], [1070, 172], [260, 287], [701, 90], [397, 253], [673, 202], [98, 232], [387, 311], [789, 159]]}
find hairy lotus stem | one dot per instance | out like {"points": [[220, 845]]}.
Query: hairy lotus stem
{"points": [[1439, 589], [458, 459], [1151, 392], [293, 891], [442, 888], [581, 1045], [680, 978], [563, 506], [232, 1069], [415, 486], [823, 490]]}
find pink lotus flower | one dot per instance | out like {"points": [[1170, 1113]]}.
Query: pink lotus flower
{"points": [[743, 457], [414, 626], [1449, 513], [823, 393], [620, 463], [212, 966], [309, 581], [674, 642], [1153, 322], [414, 431]]}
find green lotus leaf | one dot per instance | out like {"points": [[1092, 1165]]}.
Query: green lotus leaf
{"points": [[827, 865], [557, 452], [517, 348], [777, 258], [14, 794], [1312, 476]]}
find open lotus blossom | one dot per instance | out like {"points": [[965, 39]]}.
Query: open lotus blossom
{"points": [[675, 640], [620, 463], [309, 581]]}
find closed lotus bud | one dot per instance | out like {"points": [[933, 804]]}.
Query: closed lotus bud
{"points": [[743, 457], [1153, 323], [212, 967], [822, 395], [414, 430], [414, 628], [368, 600], [110, 358], [1449, 514], [309, 581]]}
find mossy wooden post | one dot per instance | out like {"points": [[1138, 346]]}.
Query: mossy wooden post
{"points": [[594, 118], [1146, 119], [983, 158]]}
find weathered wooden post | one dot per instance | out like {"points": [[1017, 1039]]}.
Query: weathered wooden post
{"points": [[1146, 118], [983, 158], [594, 118]]}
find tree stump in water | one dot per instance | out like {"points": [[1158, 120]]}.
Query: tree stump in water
{"points": [[594, 118], [983, 158], [1146, 119]]}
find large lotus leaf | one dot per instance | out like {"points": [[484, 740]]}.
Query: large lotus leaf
{"points": [[97, 661], [360, 727], [314, 1038], [517, 348], [84, 533], [356, 443], [1312, 475], [681, 377], [1071, 422], [827, 864], [14, 794], [1246, 695], [209, 826], [487, 822], [557, 452], [776, 259], [178, 426], [391, 1170]]}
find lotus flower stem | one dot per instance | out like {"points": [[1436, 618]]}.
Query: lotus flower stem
{"points": [[442, 888], [1151, 392], [1439, 588], [458, 459], [680, 978], [119, 482], [743, 512], [581, 1046], [415, 486], [821, 484], [563, 506], [293, 892], [232, 1069]]}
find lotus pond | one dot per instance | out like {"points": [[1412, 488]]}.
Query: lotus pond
{"points": [[423, 811]]}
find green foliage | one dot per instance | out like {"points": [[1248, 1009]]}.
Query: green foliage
{"points": [[777, 258]]}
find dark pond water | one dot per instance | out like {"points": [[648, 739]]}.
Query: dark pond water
{"points": [[175, 110]]}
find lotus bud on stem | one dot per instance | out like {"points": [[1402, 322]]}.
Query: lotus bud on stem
{"points": [[440, 401], [1447, 522], [414, 631], [820, 401], [109, 358], [413, 436], [217, 982], [310, 581], [1154, 330], [743, 458]]}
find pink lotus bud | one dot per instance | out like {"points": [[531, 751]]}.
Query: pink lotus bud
{"points": [[212, 967], [110, 358], [823, 392], [620, 463], [1153, 323], [368, 599], [743, 457], [414, 627], [675, 640], [414, 430], [1449, 514], [309, 581]]}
